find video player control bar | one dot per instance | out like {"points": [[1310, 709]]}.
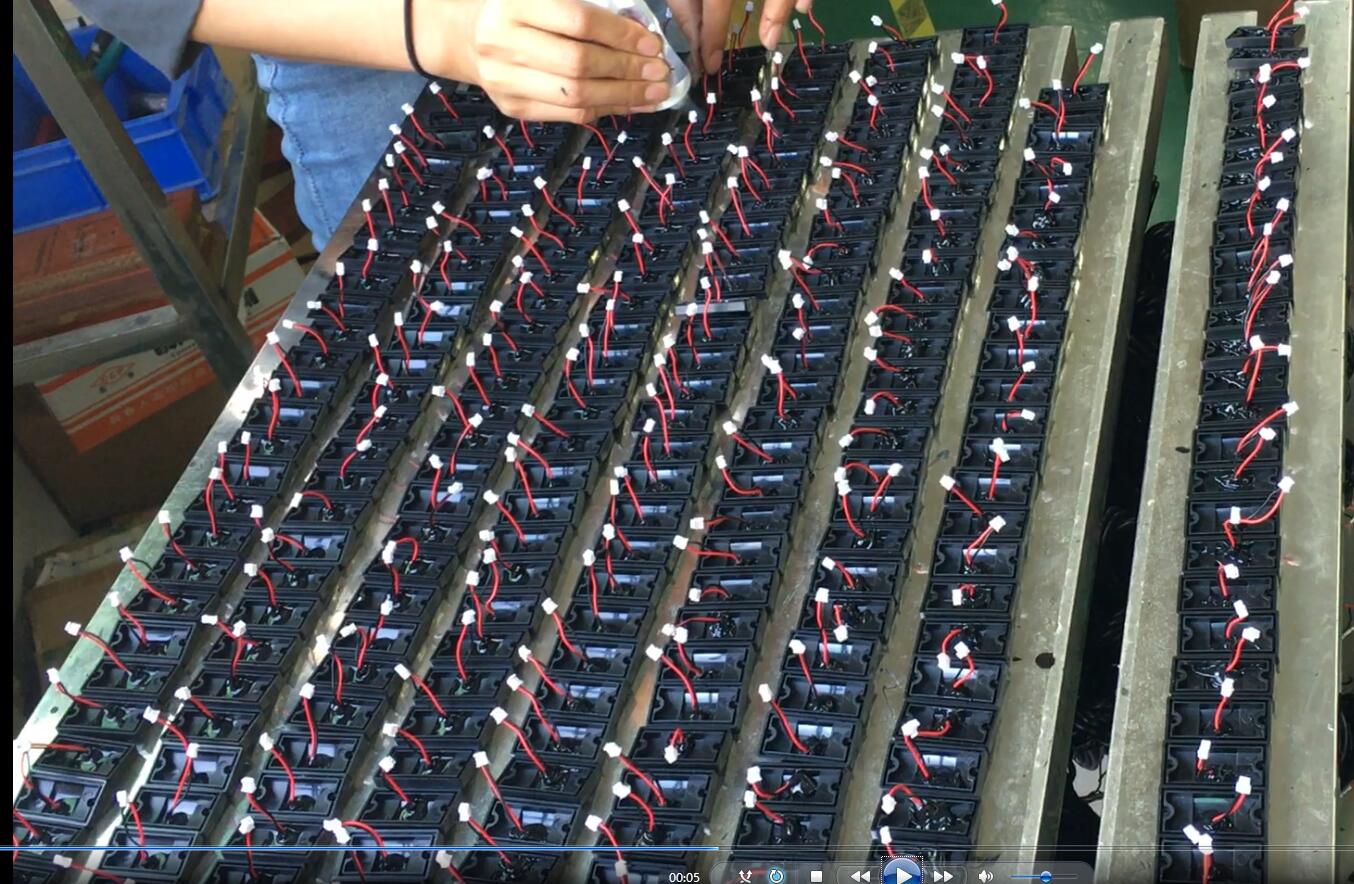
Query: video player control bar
{"points": [[903, 870]]}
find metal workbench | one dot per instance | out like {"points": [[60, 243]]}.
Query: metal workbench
{"points": [[1024, 787]]}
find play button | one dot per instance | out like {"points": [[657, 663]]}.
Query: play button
{"points": [[903, 870]]}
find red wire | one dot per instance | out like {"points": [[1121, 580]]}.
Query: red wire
{"points": [[210, 507], [380, 842], [1085, 66], [906, 790], [967, 674], [526, 747], [428, 692], [846, 511], [140, 628], [413, 170], [611, 836], [686, 682], [738, 208], [106, 649], [97, 873], [526, 486], [480, 830], [310, 727], [479, 387], [145, 584], [23, 821], [789, 729], [404, 796], [517, 529], [803, 57], [76, 698], [752, 448], [418, 744], [174, 544], [493, 787], [1217, 715], [545, 677], [653, 786], [734, 487], [644, 806], [540, 418], [916, 757], [187, 761], [540, 713], [291, 779]]}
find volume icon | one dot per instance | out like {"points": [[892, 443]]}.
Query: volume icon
{"points": [[985, 876]]}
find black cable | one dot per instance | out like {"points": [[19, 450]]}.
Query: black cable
{"points": [[409, 41]]}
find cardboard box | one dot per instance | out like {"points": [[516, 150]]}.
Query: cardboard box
{"points": [[87, 270], [52, 605], [1190, 13], [112, 438]]}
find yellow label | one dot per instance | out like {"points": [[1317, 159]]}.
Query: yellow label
{"points": [[913, 19]]}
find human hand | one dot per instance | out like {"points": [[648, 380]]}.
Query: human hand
{"points": [[775, 13], [706, 24], [563, 60]]}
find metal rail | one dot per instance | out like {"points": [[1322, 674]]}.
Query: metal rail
{"points": [[1022, 796], [1303, 813]]}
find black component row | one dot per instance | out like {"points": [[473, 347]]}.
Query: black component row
{"points": [[933, 773], [1215, 779], [619, 591], [793, 801]]}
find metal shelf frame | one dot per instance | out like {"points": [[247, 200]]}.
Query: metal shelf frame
{"points": [[203, 300]]}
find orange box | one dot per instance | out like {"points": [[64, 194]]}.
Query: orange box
{"points": [[87, 270]]}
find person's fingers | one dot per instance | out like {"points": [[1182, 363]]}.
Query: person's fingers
{"points": [[687, 14], [577, 60], [551, 88], [583, 21], [775, 13], [803, 7], [714, 32]]}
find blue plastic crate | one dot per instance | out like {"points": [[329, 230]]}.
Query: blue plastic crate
{"points": [[178, 142]]}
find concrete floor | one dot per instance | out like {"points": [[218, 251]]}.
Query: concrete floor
{"points": [[1089, 18]]}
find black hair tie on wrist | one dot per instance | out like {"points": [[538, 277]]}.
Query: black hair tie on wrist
{"points": [[409, 41]]}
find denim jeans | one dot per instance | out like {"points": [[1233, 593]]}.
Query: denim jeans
{"points": [[334, 122]]}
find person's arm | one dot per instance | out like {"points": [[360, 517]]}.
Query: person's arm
{"points": [[537, 59]]}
